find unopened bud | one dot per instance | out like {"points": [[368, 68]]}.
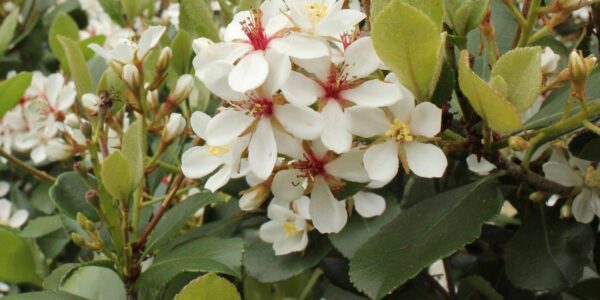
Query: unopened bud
{"points": [[85, 223], [517, 143], [78, 239], [72, 121], [578, 68], [537, 197], [90, 102], [549, 60], [565, 211], [164, 59], [131, 76], [92, 197], [254, 197], [182, 88], [152, 99], [58, 150], [86, 130], [174, 127]]}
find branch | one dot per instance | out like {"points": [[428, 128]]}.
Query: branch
{"points": [[533, 179], [21, 164]]}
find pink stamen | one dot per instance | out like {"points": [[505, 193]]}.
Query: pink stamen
{"points": [[254, 30]]}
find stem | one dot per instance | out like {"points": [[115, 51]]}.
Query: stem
{"points": [[531, 20], [311, 283], [515, 12], [538, 35], [567, 109], [535, 180], [159, 199], [589, 125], [23, 165]]}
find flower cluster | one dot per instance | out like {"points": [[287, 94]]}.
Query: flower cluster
{"points": [[306, 112]]}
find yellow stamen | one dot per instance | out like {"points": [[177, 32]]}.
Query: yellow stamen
{"points": [[316, 11], [592, 177], [399, 131], [289, 228], [215, 150]]}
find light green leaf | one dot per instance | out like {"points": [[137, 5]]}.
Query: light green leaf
{"points": [[429, 230], [93, 282], [7, 30], [11, 91], [195, 17], [469, 15], [200, 255], [131, 8], [499, 114], [377, 6], [432, 8], [46, 295], [182, 52], [116, 176], [248, 5], [17, 263], [551, 246], [410, 44], [209, 287], [41, 226], [113, 9], [521, 69], [68, 195], [77, 66], [87, 51], [134, 150], [62, 25]]}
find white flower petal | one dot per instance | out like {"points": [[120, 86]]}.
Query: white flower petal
{"points": [[369, 204], [18, 218], [328, 214], [335, 131], [339, 22], [4, 188], [249, 73], [66, 98], [197, 162], [479, 166], [373, 93], [425, 160], [294, 243], [39, 154], [366, 121], [262, 151], [426, 120], [216, 79], [301, 90], [288, 145], [348, 166], [299, 46], [300, 121], [361, 58], [320, 67], [199, 122], [226, 126], [219, 179], [5, 210], [149, 39], [302, 207], [381, 161], [279, 71], [562, 173], [582, 207], [271, 231], [288, 185], [52, 88]]}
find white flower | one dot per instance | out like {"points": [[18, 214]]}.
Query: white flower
{"points": [[90, 102], [200, 161], [338, 87], [581, 175], [324, 18], [174, 127], [287, 230], [126, 52], [251, 40], [4, 287], [8, 218], [369, 204], [4, 188], [58, 150], [549, 60], [479, 165], [131, 76], [57, 98], [403, 132]]}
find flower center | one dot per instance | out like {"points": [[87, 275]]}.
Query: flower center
{"points": [[316, 11], [592, 177], [216, 151], [337, 81], [254, 30], [399, 131], [311, 166], [260, 107], [289, 228]]}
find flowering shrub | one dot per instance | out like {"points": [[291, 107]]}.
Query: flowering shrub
{"points": [[401, 149]]}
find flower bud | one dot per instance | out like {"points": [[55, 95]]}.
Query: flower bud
{"points": [[131, 76], [86, 129], [92, 197], [201, 44], [78, 239], [90, 102], [537, 197], [517, 143], [152, 99], [254, 197], [116, 66], [58, 150], [174, 127], [72, 121], [565, 211], [85, 223], [549, 60], [182, 88], [164, 59], [578, 68]]}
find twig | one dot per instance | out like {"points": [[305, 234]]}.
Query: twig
{"points": [[533, 179], [21, 164]]}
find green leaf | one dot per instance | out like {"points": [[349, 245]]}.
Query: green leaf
{"points": [[587, 289], [429, 230], [17, 261], [195, 17], [377, 6], [445, 85], [550, 246], [585, 145], [12, 89], [349, 189], [521, 69], [53, 281], [62, 25], [500, 114], [77, 65], [476, 287], [134, 150], [359, 229], [131, 8], [68, 195], [208, 287], [116, 176], [410, 44], [46, 295], [95, 39], [40, 198], [248, 5], [201, 255], [94, 282], [176, 217], [41, 226], [505, 25], [7, 30], [262, 263], [113, 9], [182, 52], [431, 8], [469, 15]]}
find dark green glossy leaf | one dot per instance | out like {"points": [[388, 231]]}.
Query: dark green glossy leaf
{"points": [[68, 195], [586, 145]]}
